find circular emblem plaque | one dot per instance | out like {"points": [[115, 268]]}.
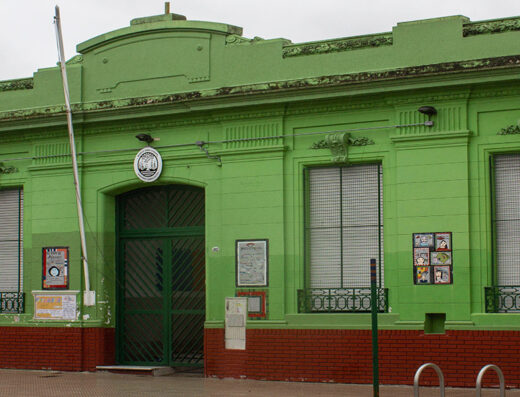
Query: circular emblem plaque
{"points": [[148, 164]]}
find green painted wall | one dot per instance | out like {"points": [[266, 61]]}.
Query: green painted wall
{"points": [[186, 81]]}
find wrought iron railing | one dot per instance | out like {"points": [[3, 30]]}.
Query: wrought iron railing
{"points": [[12, 302], [503, 299], [339, 300]]}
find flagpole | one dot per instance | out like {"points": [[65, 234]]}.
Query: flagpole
{"points": [[88, 296]]}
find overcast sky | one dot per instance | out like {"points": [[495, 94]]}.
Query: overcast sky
{"points": [[27, 38]]}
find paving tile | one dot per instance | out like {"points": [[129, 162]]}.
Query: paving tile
{"points": [[14, 383]]}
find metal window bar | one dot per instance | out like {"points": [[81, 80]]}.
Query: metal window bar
{"points": [[12, 302], [340, 300], [502, 299]]}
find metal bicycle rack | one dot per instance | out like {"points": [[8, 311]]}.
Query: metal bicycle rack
{"points": [[418, 375], [500, 377], [441, 378]]}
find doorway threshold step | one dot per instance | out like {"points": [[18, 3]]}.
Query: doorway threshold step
{"points": [[137, 369]]}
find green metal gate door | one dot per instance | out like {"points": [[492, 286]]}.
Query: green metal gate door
{"points": [[161, 276]]}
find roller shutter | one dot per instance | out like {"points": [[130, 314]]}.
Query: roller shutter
{"points": [[344, 225], [11, 245], [507, 218]]}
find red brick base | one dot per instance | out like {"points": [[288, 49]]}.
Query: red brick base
{"points": [[63, 349], [346, 356]]}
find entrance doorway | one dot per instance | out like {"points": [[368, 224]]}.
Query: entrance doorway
{"points": [[161, 276]]}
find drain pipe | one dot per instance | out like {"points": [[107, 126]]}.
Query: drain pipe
{"points": [[89, 297]]}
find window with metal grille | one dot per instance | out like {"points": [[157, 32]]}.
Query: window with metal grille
{"points": [[504, 295], [11, 251], [344, 230], [507, 219]]}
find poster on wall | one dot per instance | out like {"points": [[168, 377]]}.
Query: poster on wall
{"points": [[442, 241], [421, 256], [55, 264], [251, 263], [442, 274], [441, 258], [422, 275], [432, 258], [423, 240], [55, 307]]}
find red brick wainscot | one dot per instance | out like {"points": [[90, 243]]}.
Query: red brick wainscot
{"points": [[346, 356], [63, 349]]}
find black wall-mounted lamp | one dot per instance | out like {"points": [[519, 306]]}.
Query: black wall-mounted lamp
{"points": [[428, 111], [145, 138]]}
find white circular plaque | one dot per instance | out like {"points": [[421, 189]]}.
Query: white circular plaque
{"points": [[148, 164]]}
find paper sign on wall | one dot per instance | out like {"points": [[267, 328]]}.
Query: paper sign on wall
{"points": [[236, 315], [54, 306]]}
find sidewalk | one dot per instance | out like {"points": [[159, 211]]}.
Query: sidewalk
{"points": [[92, 384]]}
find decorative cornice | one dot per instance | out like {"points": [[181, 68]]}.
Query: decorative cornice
{"points": [[19, 84], [361, 141], [75, 60], [7, 170], [339, 143], [234, 39], [278, 86], [339, 45], [487, 27], [511, 130]]}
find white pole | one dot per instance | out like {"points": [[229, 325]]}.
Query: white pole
{"points": [[89, 297]]}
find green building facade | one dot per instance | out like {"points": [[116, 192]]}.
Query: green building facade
{"points": [[285, 169]]}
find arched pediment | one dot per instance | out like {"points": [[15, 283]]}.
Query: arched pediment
{"points": [[154, 55]]}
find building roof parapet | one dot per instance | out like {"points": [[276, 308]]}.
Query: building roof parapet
{"points": [[17, 84], [157, 23], [158, 18], [386, 38], [338, 45], [491, 26]]}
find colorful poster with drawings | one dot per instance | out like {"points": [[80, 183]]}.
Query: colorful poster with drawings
{"points": [[423, 275], [432, 258], [442, 241], [55, 267], [423, 240], [442, 274], [441, 258], [421, 256]]}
